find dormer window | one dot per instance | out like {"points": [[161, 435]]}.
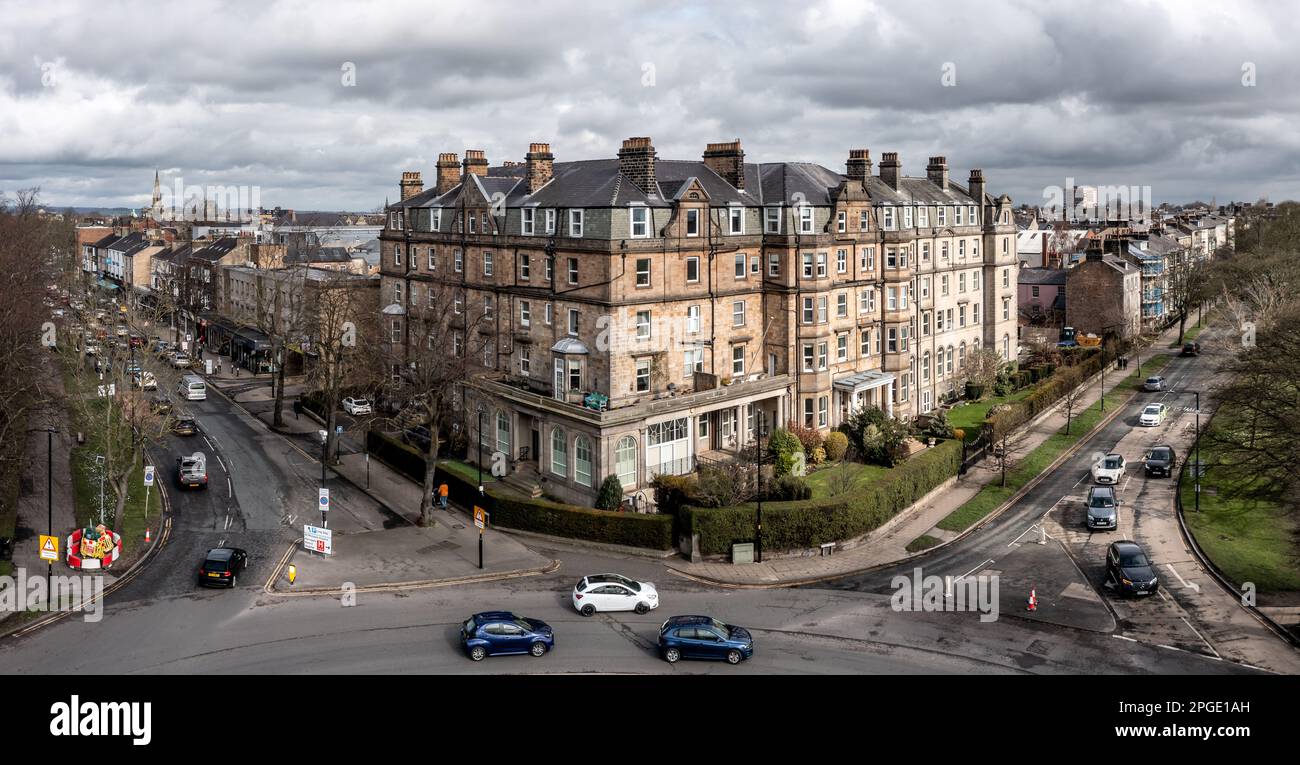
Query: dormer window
{"points": [[575, 223], [526, 221], [805, 220], [692, 222], [640, 222], [736, 219], [772, 220], [889, 218], [550, 221]]}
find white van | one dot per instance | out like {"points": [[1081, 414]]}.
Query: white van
{"points": [[193, 388]]}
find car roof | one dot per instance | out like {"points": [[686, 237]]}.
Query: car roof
{"points": [[1126, 545], [494, 616], [222, 553], [674, 621]]}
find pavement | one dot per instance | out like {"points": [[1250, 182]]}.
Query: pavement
{"points": [[888, 544]]}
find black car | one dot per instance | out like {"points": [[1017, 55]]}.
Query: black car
{"points": [[185, 426], [1160, 461], [161, 404], [418, 436], [1130, 570], [1191, 349], [221, 566]]}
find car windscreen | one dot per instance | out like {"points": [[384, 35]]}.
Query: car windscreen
{"points": [[1134, 558], [1160, 454], [1153, 409], [1111, 463], [721, 629], [1101, 500], [468, 627]]}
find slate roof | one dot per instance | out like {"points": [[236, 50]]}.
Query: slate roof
{"points": [[1044, 276], [217, 250]]}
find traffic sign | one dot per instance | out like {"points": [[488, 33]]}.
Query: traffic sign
{"points": [[317, 539], [480, 517], [49, 548], [148, 475], [324, 500], [338, 430]]}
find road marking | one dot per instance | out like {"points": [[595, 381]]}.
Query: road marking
{"points": [[222, 464], [227, 526], [977, 568], [209, 443], [1202, 637], [230, 491], [1189, 585], [1081, 480], [1171, 647], [1041, 530], [1125, 637], [222, 542]]}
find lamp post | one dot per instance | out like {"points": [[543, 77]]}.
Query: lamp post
{"points": [[758, 441], [1197, 467], [480, 450]]}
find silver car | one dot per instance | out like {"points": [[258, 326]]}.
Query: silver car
{"points": [[1103, 509], [1154, 383]]}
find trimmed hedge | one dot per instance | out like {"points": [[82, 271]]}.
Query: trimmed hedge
{"points": [[543, 516], [1052, 389], [798, 525], [526, 514]]}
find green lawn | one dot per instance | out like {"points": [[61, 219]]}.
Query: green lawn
{"points": [[969, 417], [994, 494], [821, 481], [466, 471], [1249, 539], [923, 542]]}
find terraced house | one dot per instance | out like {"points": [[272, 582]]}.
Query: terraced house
{"points": [[647, 313]]}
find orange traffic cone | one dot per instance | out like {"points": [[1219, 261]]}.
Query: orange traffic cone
{"points": [[1033, 599], [146, 535]]}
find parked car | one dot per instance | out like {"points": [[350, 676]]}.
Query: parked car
{"points": [[703, 637], [221, 567], [495, 633], [418, 436], [1154, 383], [93, 349], [611, 592], [145, 381], [1129, 569], [1103, 508], [1109, 469], [1191, 349], [1159, 461], [180, 360], [185, 426], [1153, 415], [192, 471], [356, 406], [160, 404]]}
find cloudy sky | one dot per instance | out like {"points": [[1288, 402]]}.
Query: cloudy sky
{"points": [[322, 104]]}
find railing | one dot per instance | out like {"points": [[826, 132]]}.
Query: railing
{"points": [[681, 466]]}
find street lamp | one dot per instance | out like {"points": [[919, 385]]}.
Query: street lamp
{"points": [[481, 412], [758, 443], [49, 498]]}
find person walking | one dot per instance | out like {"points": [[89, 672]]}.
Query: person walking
{"points": [[442, 495]]}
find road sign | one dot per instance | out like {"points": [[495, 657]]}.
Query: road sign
{"points": [[324, 500], [49, 548], [338, 430], [480, 517], [317, 539], [148, 475]]}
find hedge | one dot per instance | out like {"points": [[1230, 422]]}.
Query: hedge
{"points": [[800, 525], [526, 514], [1046, 393]]}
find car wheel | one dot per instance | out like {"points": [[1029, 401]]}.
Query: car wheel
{"points": [[642, 608], [733, 656], [672, 655], [538, 649], [588, 610], [477, 653]]}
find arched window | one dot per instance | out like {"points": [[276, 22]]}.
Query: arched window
{"points": [[559, 453], [625, 461], [503, 432], [582, 460]]}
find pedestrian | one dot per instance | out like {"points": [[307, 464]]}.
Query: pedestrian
{"points": [[218, 365], [442, 495]]}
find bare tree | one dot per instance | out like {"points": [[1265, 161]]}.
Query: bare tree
{"points": [[1186, 287], [1008, 452], [279, 315], [338, 320], [1071, 403], [437, 356]]}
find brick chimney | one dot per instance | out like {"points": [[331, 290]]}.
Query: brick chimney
{"points": [[858, 168], [728, 161], [411, 185], [540, 162], [475, 163], [448, 172], [636, 161], [889, 169], [937, 172], [976, 186]]}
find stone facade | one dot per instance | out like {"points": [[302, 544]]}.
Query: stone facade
{"points": [[698, 298]]}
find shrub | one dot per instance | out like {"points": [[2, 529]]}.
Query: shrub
{"points": [[611, 494], [654, 531], [938, 426], [818, 455], [809, 438], [877, 437], [796, 524], [782, 445], [672, 491], [723, 485], [789, 488], [836, 445]]}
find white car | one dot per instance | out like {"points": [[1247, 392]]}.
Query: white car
{"points": [[355, 406], [611, 592], [1153, 415], [146, 381], [180, 361], [1109, 469]]}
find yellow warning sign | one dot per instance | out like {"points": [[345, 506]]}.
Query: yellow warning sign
{"points": [[49, 548]]}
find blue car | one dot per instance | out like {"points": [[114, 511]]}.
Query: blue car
{"points": [[494, 633], [703, 637]]}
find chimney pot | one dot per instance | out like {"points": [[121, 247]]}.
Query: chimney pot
{"points": [[448, 172], [937, 172], [475, 162], [889, 169], [541, 165], [858, 167], [636, 161]]}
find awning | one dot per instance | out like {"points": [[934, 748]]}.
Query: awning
{"points": [[861, 381]]}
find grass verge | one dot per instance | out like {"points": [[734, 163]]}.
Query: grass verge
{"points": [[923, 542], [1036, 461]]}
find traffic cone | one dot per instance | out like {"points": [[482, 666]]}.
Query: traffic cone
{"points": [[146, 535], [1033, 599]]}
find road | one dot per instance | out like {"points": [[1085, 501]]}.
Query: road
{"points": [[161, 623]]}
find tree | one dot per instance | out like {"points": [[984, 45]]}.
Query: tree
{"points": [[726, 484], [340, 329], [982, 368], [435, 360], [1186, 287], [280, 315], [1071, 403], [611, 494], [1008, 452]]}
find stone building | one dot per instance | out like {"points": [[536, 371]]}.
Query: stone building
{"points": [[1103, 296], [648, 313]]}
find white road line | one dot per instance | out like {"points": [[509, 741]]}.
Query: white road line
{"points": [[1081, 480], [221, 542], [222, 464], [230, 491], [1171, 647], [977, 568], [1202, 637], [209, 443], [1125, 637], [1026, 531], [227, 526], [1188, 585]]}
